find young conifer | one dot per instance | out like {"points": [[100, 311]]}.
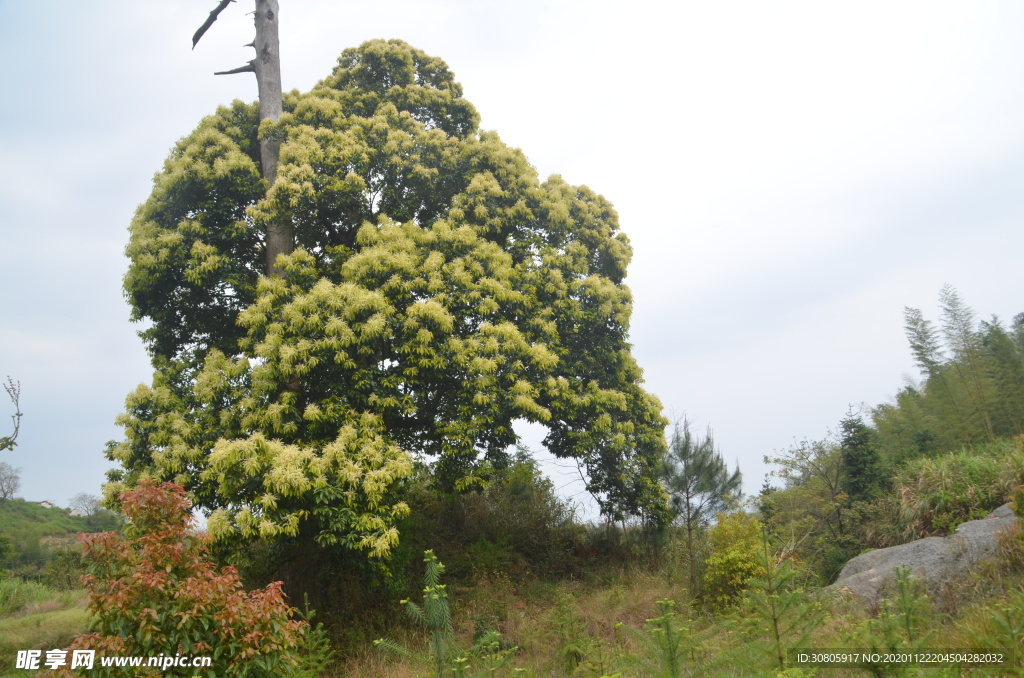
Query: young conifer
{"points": [[698, 483], [775, 605], [434, 615]]}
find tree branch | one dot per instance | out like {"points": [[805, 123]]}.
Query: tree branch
{"points": [[248, 68], [209, 21], [14, 393]]}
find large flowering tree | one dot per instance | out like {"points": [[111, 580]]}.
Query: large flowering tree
{"points": [[438, 293]]}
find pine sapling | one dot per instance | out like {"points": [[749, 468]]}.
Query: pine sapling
{"points": [[673, 643], [901, 621], [778, 606], [1005, 630], [434, 616], [571, 639]]}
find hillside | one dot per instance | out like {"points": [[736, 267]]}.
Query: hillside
{"points": [[34, 533]]}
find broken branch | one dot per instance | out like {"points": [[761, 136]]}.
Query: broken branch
{"points": [[209, 21], [248, 68]]}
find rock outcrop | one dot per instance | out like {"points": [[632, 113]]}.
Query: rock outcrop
{"points": [[933, 560]]}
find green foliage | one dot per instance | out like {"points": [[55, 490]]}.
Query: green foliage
{"points": [[56, 626], [968, 359], [734, 542], [973, 388], [902, 623], [940, 493], [434, 615], [776, 606], [156, 592], [65, 571], [35, 534], [811, 514], [438, 293], [571, 635], [315, 653], [676, 646], [513, 523], [1003, 629], [698, 483], [16, 595], [862, 476], [489, 655], [1017, 496]]}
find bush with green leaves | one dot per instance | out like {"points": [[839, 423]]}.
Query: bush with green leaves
{"points": [[513, 523], [734, 544], [65, 571]]}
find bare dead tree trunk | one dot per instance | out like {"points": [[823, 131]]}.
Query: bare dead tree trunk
{"points": [[267, 66], [280, 238]]}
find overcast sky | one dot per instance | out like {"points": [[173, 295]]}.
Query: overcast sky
{"points": [[791, 175]]}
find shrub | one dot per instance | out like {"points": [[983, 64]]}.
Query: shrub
{"points": [[65, 571], [513, 521], [734, 543], [155, 592]]}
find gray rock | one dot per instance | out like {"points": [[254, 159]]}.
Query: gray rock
{"points": [[933, 560]]}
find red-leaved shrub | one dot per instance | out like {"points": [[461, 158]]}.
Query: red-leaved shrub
{"points": [[155, 592]]}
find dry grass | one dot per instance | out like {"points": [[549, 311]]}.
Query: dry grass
{"points": [[534, 617]]}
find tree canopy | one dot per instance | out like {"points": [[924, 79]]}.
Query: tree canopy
{"points": [[862, 473], [972, 383], [696, 476], [10, 481], [438, 292]]}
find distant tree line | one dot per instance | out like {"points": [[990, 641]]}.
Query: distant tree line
{"points": [[891, 478]]}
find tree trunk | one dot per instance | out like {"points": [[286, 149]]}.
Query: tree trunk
{"points": [[691, 556], [267, 65]]}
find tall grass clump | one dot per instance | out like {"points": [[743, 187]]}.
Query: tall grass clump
{"points": [[939, 493], [18, 596]]}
